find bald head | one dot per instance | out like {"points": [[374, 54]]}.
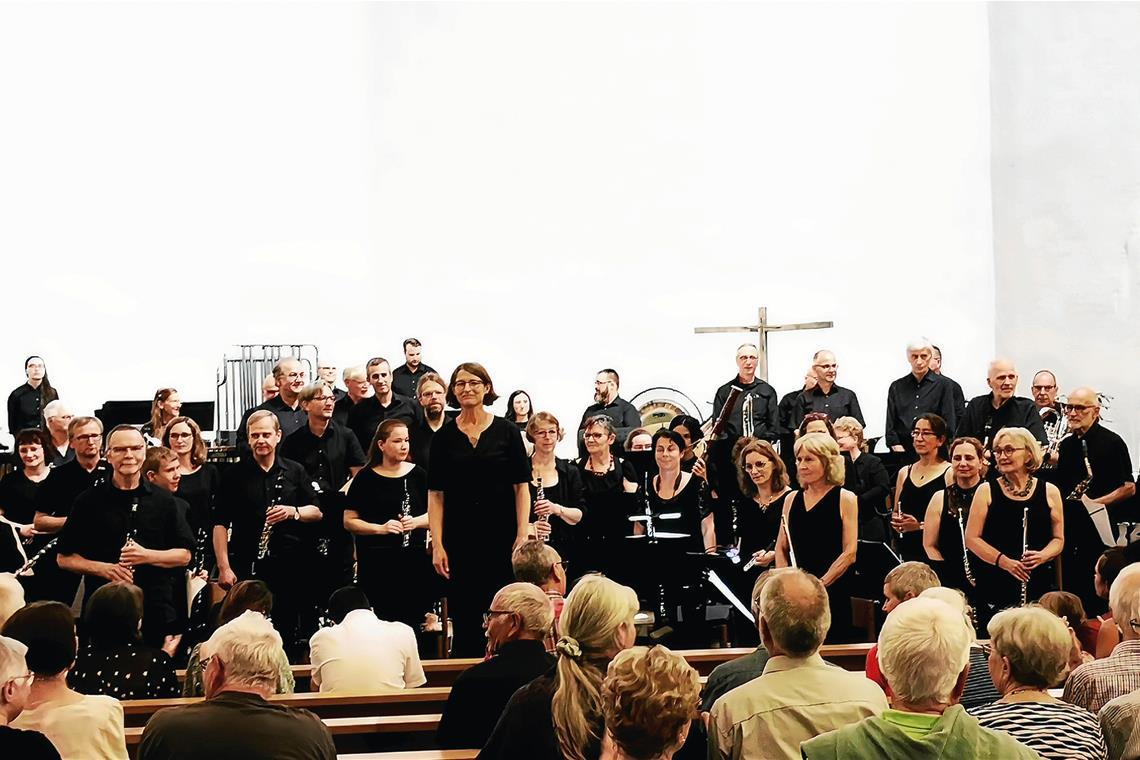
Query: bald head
{"points": [[1082, 407], [1001, 376], [794, 614], [1044, 389]]}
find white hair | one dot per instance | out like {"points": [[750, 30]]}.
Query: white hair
{"points": [[354, 373], [11, 596], [53, 409], [955, 599], [923, 648], [917, 344], [530, 603], [1124, 595], [249, 648], [12, 662]]}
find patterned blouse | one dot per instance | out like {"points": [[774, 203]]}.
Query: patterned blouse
{"points": [[130, 671]]}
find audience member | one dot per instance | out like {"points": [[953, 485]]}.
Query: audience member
{"points": [[81, 727], [539, 563], [115, 660], [924, 652], [1092, 685], [1069, 609], [15, 687], [11, 596], [361, 653], [1108, 566], [980, 688], [244, 596], [1029, 654], [558, 716], [1120, 723], [905, 581], [237, 720], [799, 695], [649, 700], [519, 620]]}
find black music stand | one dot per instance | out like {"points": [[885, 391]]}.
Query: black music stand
{"points": [[873, 560]]}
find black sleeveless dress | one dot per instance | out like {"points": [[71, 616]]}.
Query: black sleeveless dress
{"points": [[952, 572], [816, 540], [758, 526], [688, 502], [602, 543], [913, 500], [1003, 531]]}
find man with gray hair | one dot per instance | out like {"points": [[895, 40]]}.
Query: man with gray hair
{"points": [[237, 719], [1094, 684], [924, 651], [1001, 408], [519, 619], [57, 417], [914, 394], [15, 687], [799, 695], [540, 563]]}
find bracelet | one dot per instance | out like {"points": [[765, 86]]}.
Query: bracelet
{"points": [[997, 562]]}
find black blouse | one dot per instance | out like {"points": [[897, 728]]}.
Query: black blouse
{"points": [[688, 501], [816, 534], [18, 497], [913, 500], [567, 491], [759, 525], [607, 504], [130, 671], [26, 408], [199, 489], [377, 499]]}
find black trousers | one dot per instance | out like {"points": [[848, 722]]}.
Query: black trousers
{"points": [[294, 579]]}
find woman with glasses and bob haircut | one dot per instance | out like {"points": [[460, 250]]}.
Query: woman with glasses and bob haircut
{"points": [[917, 483], [1016, 526]]}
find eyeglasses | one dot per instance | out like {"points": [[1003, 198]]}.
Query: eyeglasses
{"points": [[923, 434], [593, 436], [296, 375], [491, 613], [826, 366], [762, 465], [468, 383], [89, 437], [172, 436], [1007, 451], [1036, 388], [1078, 408], [545, 434], [125, 449]]}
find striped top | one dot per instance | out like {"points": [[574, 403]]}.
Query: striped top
{"points": [[1120, 722], [1093, 684], [1056, 731]]}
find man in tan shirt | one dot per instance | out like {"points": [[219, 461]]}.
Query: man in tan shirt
{"points": [[799, 696]]}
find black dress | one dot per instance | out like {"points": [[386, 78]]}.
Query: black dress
{"points": [[1003, 531], [397, 579], [18, 497], [913, 500], [479, 519], [605, 525], [689, 503], [199, 489], [567, 491], [817, 540], [952, 570], [130, 671], [759, 525]]}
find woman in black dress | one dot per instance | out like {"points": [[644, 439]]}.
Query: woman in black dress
{"points": [[560, 510], [870, 482], [917, 483], [26, 403], [944, 529], [763, 482], [478, 503], [673, 491], [519, 409], [198, 485], [391, 553], [610, 486], [821, 526], [18, 488], [1016, 526]]}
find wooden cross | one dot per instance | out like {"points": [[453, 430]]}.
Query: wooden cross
{"points": [[762, 328]]}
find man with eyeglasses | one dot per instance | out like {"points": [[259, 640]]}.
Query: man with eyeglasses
{"points": [[127, 530], [1001, 408], [1107, 453], [917, 393], [430, 393], [356, 381], [326, 373], [385, 404], [826, 396], [1045, 396], [290, 376], [15, 688], [607, 401]]}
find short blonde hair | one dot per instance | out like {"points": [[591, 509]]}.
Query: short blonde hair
{"points": [[824, 447], [260, 415], [956, 599], [354, 373], [854, 427], [1035, 641], [250, 650], [1019, 436], [1124, 595], [910, 579], [530, 603], [649, 697], [923, 648]]}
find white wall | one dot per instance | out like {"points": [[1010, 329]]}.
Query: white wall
{"points": [[1066, 179], [547, 188]]}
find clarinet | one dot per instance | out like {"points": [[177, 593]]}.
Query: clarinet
{"points": [[1024, 549], [267, 528], [540, 495], [132, 525], [406, 511], [200, 557], [26, 569], [650, 529]]}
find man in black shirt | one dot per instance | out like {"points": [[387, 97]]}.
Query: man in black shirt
{"points": [[833, 400], [764, 420], [266, 489], [915, 394], [1000, 408], [936, 368], [1045, 398], [356, 381], [57, 418], [431, 393], [407, 376], [290, 376], [326, 373], [126, 530], [607, 401], [15, 688], [385, 404]]}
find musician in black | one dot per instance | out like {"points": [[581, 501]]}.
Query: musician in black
{"points": [[944, 529], [607, 401], [1001, 408], [289, 374], [826, 396], [556, 490], [870, 481], [126, 530], [1045, 396], [406, 378], [268, 490], [53, 505], [330, 455], [955, 386], [916, 484], [758, 396], [384, 404], [920, 392], [356, 381], [198, 483], [610, 485], [430, 394], [26, 403], [19, 487]]}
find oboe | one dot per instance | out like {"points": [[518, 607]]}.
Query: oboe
{"points": [[1024, 549], [540, 495], [267, 528], [406, 512], [132, 525]]}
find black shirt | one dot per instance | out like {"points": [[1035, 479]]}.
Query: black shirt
{"points": [[327, 458], [422, 436], [18, 497], [482, 691], [765, 409], [959, 396], [377, 499], [26, 408], [366, 416], [872, 485], [341, 409], [236, 726], [66, 482], [404, 381], [246, 493], [199, 489], [26, 745], [291, 421], [567, 491], [625, 418], [1108, 457], [841, 402], [130, 671], [908, 398], [983, 422]]}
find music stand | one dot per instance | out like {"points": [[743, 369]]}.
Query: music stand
{"points": [[873, 560]]}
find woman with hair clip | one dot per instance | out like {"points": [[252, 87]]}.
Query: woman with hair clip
{"points": [[610, 484], [392, 561], [559, 716], [944, 526], [917, 483], [26, 403], [166, 406], [558, 482], [200, 481]]}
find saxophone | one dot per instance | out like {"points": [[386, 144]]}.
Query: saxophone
{"points": [[1079, 490], [406, 511], [267, 528]]}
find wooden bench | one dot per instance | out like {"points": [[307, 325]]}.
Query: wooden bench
{"points": [[427, 754]]}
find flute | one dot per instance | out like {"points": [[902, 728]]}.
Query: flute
{"points": [[788, 535], [1024, 549]]}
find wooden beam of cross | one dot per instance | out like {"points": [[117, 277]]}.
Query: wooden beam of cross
{"points": [[762, 328]]}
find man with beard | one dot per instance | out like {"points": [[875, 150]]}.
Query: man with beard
{"points": [[385, 403], [607, 401], [290, 376], [1000, 408], [431, 393], [406, 377]]}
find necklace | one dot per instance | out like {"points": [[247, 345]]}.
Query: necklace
{"points": [[599, 473], [1005, 481], [765, 505]]}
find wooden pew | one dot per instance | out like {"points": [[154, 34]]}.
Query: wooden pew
{"points": [[427, 754]]}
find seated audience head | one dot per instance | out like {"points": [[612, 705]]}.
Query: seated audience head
{"points": [[924, 653], [1108, 566], [818, 460], [431, 391], [470, 387], [355, 382], [639, 439], [598, 435], [167, 405], [1124, 601], [58, 417], [48, 631], [650, 697], [816, 422], [160, 468], [113, 616], [758, 463], [1016, 450], [794, 614], [246, 596], [269, 387], [11, 596], [956, 600], [539, 563], [519, 407], [596, 624], [519, 611], [907, 581], [1029, 647], [242, 655], [15, 679], [849, 434], [758, 589], [1065, 605], [345, 600], [184, 438]]}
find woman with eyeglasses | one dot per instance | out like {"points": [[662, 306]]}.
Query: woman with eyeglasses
{"points": [[26, 403], [560, 510], [1017, 524], [916, 485], [763, 482], [478, 503], [943, 533], [610, 485], [199, 483]]}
